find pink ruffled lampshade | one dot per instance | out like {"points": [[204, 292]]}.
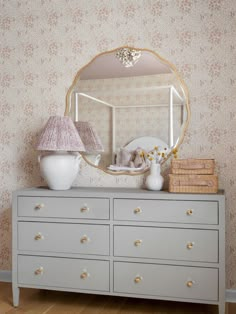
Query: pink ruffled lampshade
{"points": [[60, 134], [89, 137]]}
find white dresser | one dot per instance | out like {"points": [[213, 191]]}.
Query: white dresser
{"points": [[124, 242]]}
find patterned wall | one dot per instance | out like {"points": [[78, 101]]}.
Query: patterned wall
{"points": [[42, 46]]}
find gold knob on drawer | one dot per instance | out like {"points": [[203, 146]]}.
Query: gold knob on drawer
{"points": [[138, 242], [84, 209], [39, 271], [189, 212], [84, 275], [39, 206], [189, 283], [39, 236], [137, 210], [190, 245], [138, 279], [84, 239]]}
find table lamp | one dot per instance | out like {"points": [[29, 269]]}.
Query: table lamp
{"points": [[61, 140]]}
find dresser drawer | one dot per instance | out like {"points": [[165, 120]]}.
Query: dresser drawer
{"points": [[63, 238], [63, 272], [63, 207], [166, 243], [166, 280], [195, 212]]}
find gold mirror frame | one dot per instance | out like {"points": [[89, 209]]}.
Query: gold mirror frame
{"points": [[185, 91]]}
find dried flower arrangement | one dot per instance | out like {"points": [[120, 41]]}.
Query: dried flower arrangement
{"points": [[158, 154]]}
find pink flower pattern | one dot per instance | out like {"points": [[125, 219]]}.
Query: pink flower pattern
{"points": [[29, 21], [185, 6], [185, 38], [53, 49], [52, 19], [5, 139], [215, 5], [5, 52], [29, 51], [44, 45], [156, 39], [77, 16], [5, 23], [5, 110], [156, 8], [29, 79], [215, 36], [77, 47], [6, 80]]}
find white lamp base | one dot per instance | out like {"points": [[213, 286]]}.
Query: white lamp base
{"points": [[59, 169]]}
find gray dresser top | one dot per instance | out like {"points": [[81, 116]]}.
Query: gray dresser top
{"points": [[116, 192]]}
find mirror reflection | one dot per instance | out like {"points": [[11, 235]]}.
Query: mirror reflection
{"points": [[125, 103]]}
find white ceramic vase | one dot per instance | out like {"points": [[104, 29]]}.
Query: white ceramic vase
{"points": [[154, 180], [59, 169]]}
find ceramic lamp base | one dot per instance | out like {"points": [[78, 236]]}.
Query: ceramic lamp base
{"points": [[59, 169]]}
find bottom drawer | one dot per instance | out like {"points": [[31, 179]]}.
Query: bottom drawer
{"points": [[166, 280], [63, 272]]}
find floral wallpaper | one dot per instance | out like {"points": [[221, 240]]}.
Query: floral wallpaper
{"points": [[42, 46]]}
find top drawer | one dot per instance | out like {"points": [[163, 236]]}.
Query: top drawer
{"points": [[195, 212], [63, 207]]}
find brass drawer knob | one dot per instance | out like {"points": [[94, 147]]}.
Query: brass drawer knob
{"points": [[138, 242], [137, 210], [138, 279], [84, 275], [84, 239], [189, 283], [84, 209], [39, 236], [39, 206], [189, 212], [190, 245], [39, 271]]}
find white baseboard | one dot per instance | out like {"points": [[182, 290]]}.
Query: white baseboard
{"points": [[5, 275], [230, 295]]}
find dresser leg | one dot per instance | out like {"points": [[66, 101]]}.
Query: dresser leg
{"points": [[16, 295], [221, 308]]}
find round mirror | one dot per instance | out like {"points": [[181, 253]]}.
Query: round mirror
{"points": [[128, 104]]}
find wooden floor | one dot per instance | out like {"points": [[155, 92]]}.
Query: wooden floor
{"points": [[34, 301]]}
